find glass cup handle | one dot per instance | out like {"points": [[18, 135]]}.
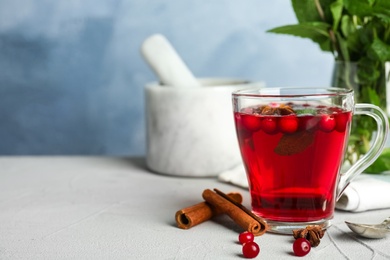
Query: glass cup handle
{"points": [[375, 149]]}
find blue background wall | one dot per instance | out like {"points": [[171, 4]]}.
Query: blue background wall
{"points": [[72, 77]]}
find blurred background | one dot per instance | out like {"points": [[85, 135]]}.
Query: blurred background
{"points": [[72, 77]]}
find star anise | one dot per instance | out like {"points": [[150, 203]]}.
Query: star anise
{"points": [[275, 109], [313, 233]]}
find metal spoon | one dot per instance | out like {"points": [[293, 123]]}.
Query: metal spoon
{"points": [[371, 231]]}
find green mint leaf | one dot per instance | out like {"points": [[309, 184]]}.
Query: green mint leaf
{"points": [[368, 74], [316, 31], [382, 10], [382, 5], [305, 11], [381, 164], [383, 16], [327, 9], [337, 9], [326, 45], [290, 144], [351, 34], [343, 47], [305, 111], [347, 26], [313, 10], [374, 97], [359, 7], [381, 50]]}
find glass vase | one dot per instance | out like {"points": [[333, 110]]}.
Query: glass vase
{"points": [[371, 84]]}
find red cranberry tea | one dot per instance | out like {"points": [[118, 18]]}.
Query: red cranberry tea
{"points": [[292, 155]]}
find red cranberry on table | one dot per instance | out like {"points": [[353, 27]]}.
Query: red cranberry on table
{"points": [[246, 237], [301, 247], [250, 249]]}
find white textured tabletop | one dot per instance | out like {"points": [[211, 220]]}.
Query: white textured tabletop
{"points": [[113, 208]]}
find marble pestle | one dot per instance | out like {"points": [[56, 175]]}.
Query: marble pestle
{"points": [[166, 63]]}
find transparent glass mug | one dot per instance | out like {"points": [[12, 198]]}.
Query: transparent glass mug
{"points": [[292, 142]]}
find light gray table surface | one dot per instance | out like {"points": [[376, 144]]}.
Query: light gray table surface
{"points": [[114, 208]]}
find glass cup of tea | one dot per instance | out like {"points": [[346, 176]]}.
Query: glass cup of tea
{"points": [[292, 143]]}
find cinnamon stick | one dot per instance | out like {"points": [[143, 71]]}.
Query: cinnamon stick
{"points": [[201, 212], [241, 215]]}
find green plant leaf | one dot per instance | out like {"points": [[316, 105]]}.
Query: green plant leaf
{"points": [[373, 96], [337, 9], [343, 48], [326, 45], [327, 6], [352, 36], [359, 7], [305, 11], [381, 50], [383, 16], [355, 46], [382, 10], [347, 26], [381, 164], [382, 5], [316, 31], [365, 35], [368, 74]]}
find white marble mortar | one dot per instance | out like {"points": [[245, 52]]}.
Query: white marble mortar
{"points": [[190, 131]]}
